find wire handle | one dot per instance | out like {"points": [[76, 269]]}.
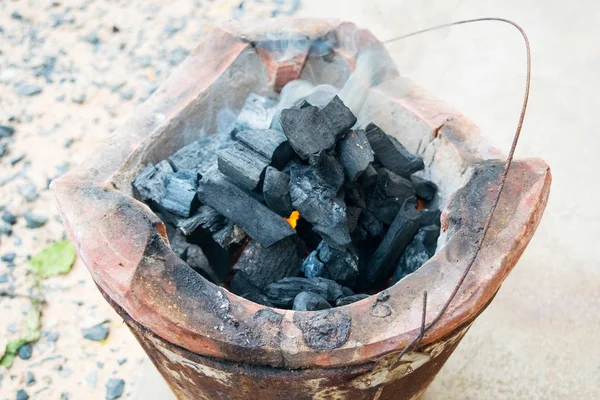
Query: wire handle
{"points": [[425, 327]]}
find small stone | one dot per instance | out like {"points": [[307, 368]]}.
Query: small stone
{"points": [[12, 327], [3, 278], [92, 38], [22, 395], [100, 364], [122, 361], [97, 333], [5, 229], [8, 257], [64, 396], [26, 89], [178, 55], [114, 388], [91, 379], [17, 159], [6, 131], [78, 98], [69, 142], [28, 191], [127, 94], [9, 217], [60, 98], [29, 378], [34, 221], [53, 336]]}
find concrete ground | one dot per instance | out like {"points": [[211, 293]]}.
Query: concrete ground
{"points": [[540, 338]]}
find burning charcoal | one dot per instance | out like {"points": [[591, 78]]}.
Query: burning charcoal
{"points": [[260, 223], [398, 236], [370, 224], [315, 199], [386, 197], [256, 113], [242, 286], [430, 217], [425, 189], [199, 155], [276, 189], [283, 292], [310, 131], [307, 301], [180, 193], [150, 182], [344, 301], [355, 153], [265, 265], [269, 143], [419, 250], [390, 152], [229, 235], [242, 165], [352, 216], [328, 168], [305, 232]]}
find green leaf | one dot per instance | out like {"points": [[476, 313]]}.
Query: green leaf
{"points": [[58, 258], [31, 335]]}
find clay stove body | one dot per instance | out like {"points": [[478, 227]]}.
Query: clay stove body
{"points": [[210, 344]]}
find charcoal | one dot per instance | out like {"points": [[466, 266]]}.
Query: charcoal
{"points": [[424, 189], [307, 301], [276, 189], [430, 217], [283, 292], [344, 301], [355, 196], [398, 236], [178, 244], [372, 226], [256, 113], [315, 199], [328, 168], [228, 235], [242, 286], [179, 196], [269, 143], [259, 222], [392, 154], [329, 263], [197, 260], [369, 177], [355, 153], [309, 237], [312, 266], [419, 250], [206, 217], [242, 165], [150, 182], [311, 131], [352, 216], [265, 265], [385, 198], [199, 155]]}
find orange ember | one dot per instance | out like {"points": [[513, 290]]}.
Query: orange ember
{"points": [[293, 219], [420, 204]]}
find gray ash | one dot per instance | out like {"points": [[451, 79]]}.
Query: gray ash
{"points": [[307, 212]]}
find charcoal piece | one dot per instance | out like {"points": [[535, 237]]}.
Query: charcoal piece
{"points": [[265, 265], [311, 131], [242, 286], [430, 217], [344, 301], [259, 222], [398, 236], [372, 226], [368, 177], [305, 232], [355, 196], [328, 168], [352, 216], [341, 267], [269, 143], [312, 266], [424, 189], [355, 153], [228, 235], [206, 217], [256, 113], [315, 199], [392, 154], [307, 301], [385, 198], [198, 156], [283, 292], [419, 250], [150, 182], [276, 189], [178, 244], [179, 197], [242, 165]]}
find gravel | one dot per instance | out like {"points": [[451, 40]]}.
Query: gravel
{"points": [[114, 388], [25, 352], [28, 90], [8, 257], [97, 333], [34, 221]]}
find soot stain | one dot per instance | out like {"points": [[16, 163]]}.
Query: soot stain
{"points": [[324, 330]]}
